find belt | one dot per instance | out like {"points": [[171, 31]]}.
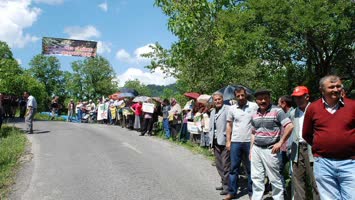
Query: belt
{"points": [[266, 146]]}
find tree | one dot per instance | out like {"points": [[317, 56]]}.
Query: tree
{"points": [[91, 78], [14, 80], [258, 43], [142, 89], [46, 69]]}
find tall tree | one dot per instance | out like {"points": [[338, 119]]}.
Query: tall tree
{"points": [[259, 43], [91, 78], [46, 69]]}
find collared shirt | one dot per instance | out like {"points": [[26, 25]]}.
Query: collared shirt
{"points": [[267, 126], [241, 118], [31, 102], [333, 109]]}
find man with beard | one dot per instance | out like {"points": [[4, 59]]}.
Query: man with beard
{"points": [[329, 126], [265, 145]]}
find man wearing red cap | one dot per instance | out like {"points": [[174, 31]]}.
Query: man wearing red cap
{"points": [[329, 126], [301, 152]]}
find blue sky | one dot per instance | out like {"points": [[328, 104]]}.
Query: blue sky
{"points": [[123, 28]]}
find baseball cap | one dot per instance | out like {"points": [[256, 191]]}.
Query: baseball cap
{"points": [[300, 90]]}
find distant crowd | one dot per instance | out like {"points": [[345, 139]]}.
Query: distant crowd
{"points": [[313, 143]]}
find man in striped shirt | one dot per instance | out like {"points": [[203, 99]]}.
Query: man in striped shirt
{"points": [[266, 142]]}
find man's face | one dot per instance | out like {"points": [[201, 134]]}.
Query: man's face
{"points": [[241, 97], [263, 101], [281, 104], [218, 101], [301, 101], [332, 90], [25, 95]]}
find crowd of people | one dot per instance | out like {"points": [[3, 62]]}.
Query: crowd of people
{"points": [[315, 141]]}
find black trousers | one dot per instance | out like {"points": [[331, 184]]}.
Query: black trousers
{"points": [[303, 170], [147, 126], [223, 163]]}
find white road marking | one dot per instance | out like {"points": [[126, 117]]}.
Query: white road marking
{"points": [[131, 147]]}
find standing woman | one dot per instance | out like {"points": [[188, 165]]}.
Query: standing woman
{"points": [[137, 109], [54, 106]]}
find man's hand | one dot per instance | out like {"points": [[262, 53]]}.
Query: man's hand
{"points": [[228, 145], [276, 148]]}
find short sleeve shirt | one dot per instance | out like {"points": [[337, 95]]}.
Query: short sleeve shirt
{"points": [[31, 102], [241, 118], [267, 126]]}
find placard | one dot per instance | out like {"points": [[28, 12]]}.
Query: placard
{"points": [[148, 107]]}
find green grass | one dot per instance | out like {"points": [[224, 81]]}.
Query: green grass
{"points": [[39, 116], [12, 147], [195, 148]]}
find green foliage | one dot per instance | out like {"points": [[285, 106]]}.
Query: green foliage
{"points": [[12, 146], [158, 90], [142, 89], [92, 78], [257, 43], [46, 69]]}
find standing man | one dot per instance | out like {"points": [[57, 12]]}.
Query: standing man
{"points": [[301, 152], [329, 127], [165, 110], [30, 112], [71, 110], [238, 138], [54, 106], [218, 124], [266, 144]]}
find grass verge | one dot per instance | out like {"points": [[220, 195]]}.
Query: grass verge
{"points": [[12, 147], [45, 117], [195, 148]]}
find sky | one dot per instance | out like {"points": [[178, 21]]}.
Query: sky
{"points": [[124, 29]]}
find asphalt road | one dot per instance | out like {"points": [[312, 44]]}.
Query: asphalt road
{"points": [[92, 161]]}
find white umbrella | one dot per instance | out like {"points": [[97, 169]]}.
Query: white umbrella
{"points": [[203, 98], [141, 98]]}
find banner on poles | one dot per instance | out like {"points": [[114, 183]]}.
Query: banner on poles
{"points": [[69, 47]]}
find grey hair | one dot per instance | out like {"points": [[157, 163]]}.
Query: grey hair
{"points": [[217, 94], [331, 78]]}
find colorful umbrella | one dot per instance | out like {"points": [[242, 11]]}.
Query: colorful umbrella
{"points": [[192, 95]]}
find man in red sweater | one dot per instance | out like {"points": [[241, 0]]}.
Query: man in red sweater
{"points": [[329, 127]]}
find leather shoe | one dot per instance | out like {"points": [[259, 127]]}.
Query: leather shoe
{"points": [[223, 192], [230, 197], [219, 188]]}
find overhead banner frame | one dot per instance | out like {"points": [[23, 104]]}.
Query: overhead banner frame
{"points": [[68, 47]]}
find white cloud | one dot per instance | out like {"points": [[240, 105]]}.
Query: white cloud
{"points": [[50, 2], [103, 47], [103, 6], [123, 56], [82, 33], [157, 77], [16, 15]]}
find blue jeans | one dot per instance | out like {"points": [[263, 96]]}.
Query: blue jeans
{"points": [[239, 150], [335, 178], [166, 127]]}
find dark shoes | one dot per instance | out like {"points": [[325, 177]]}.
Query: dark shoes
{"points": [[142, 134], [230, 197], [219, 188], [224, 192]]}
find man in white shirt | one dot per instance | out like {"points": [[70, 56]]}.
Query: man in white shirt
{"points": [[238, 138], [30, 112]]}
